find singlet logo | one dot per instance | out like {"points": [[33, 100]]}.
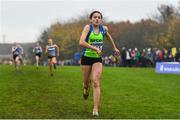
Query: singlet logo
{"points": [[95, 40]]}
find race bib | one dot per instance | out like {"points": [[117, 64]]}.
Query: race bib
{"points": [[99, 45]]}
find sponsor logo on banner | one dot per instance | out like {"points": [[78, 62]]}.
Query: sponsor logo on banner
{"points": [[168, 67]]}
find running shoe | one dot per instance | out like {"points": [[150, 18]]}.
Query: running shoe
{"points": [[85, 93], [95, 113]]}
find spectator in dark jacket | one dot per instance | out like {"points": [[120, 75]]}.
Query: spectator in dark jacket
{"points": [[177, 56]]}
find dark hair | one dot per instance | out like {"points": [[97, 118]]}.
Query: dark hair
{"points": [[95, 12]]}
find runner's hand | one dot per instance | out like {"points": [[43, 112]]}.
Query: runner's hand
{"points": [[99, 52], [116, 52]]}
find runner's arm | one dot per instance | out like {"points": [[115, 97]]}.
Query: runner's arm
{"points": [[46, 49], [82, 41], [57, 50], [110, 40], [22, 50], [41, 49]]}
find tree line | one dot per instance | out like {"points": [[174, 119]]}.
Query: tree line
{"points": [[159, 31]]}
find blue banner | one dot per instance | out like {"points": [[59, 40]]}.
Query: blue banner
{"points": [[168, 67]]}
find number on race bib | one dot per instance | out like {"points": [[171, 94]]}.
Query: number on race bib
{"points": [[99, 45]]}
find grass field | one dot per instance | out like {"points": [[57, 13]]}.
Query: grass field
{"points": [[125, 93]]}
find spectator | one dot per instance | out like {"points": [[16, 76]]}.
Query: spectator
{"points": [[177, 56]]}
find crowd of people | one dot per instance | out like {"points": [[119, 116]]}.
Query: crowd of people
{"points": [[148, 57], [136, 58]]}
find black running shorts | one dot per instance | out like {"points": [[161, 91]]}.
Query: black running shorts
{"points": [[50, 57], [14, 57], [38, 54], [89, 61]]}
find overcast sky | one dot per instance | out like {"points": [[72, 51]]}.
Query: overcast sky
{"points": [[24, 20]]}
